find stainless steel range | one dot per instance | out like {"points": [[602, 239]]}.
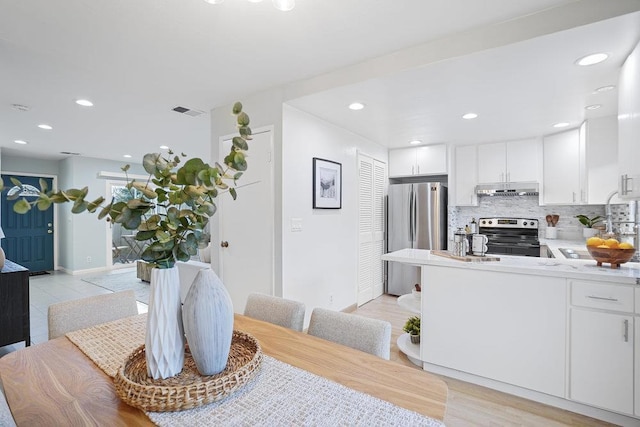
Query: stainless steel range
{"points": [[511, 236]]}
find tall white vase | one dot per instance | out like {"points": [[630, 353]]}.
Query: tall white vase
{"points": [[208, 322], [164, 340]]}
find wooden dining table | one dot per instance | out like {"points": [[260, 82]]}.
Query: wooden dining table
{"points": [[54, 383]]}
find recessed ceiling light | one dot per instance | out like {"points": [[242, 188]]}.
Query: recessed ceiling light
{"points": [[164, 147], [45, 127], [604, 89], [592, 59], [128, 156], [284, 5], [561, 125], [356, 106], [415, 142], [84, 102], [593, 107], [470, 116], [214, 1], [19, 141]]}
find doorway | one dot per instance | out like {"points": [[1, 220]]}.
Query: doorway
{"points": [[29, 238], [246, 225], [123, 248]]}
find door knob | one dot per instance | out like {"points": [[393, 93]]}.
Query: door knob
{"points": [[224, 244]]}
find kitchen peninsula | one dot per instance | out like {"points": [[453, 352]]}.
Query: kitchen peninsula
{"points": [[560, 332]]}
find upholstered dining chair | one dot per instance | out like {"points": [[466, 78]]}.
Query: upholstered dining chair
{"points": [[6, 418], [279, 311], [362, 333], [82, 313]]}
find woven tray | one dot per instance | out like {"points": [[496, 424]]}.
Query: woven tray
{"points": [[188, 389]]}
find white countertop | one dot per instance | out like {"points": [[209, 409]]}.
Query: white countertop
{"points": [[628, 273]]}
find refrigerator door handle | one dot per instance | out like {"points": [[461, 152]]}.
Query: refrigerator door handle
{"points": [[411, 215], [414, 216]]}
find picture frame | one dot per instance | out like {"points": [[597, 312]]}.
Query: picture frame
{"points": [[327, 184]]}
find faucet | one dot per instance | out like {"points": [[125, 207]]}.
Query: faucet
{"points": [[607, 210]]}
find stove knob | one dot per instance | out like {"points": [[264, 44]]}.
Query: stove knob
{"points": [[490, 222], [524, 223]]}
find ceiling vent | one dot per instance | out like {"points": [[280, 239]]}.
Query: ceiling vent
{"points": [[188, 111], [20, 107]]}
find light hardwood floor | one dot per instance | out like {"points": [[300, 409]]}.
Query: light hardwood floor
{"points": [[469, 404]]}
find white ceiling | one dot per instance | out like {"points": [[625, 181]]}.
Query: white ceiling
{"points": [[136, 60], [518, 91]]}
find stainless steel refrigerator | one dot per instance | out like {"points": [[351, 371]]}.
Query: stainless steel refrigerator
{"points": [[416, 218]]}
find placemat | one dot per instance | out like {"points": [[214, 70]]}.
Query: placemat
{"points": [[280, 394]]}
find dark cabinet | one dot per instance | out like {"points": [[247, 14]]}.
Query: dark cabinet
{"points": [[14, 304]]}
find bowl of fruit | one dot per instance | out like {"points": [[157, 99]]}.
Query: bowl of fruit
{"points": [[610, 251]]}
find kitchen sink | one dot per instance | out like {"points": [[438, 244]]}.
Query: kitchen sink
{"points": [[575, 253]]}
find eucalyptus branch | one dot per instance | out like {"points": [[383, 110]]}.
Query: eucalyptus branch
{"points": [[187, 195]]}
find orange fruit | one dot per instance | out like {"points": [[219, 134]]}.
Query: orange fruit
{"points": [[612, 243], [595, 241], [625, 245]]}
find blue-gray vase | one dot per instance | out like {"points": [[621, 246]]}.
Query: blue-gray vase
{"points": [[207, 315]]}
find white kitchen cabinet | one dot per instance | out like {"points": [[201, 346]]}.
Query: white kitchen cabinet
{"points": [[563, 155], [601, 345], [514, 161], [629, 127], [465, 176], [504, 326], [637, 364], [425, 160], [602, 159], [601, 364]]}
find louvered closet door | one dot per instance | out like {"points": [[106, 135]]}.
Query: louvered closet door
{"points": [[372, 175]]}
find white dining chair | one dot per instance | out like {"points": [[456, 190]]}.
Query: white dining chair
{"points": [[279, 311], [82, 313], [362, 333], [6, 418]]}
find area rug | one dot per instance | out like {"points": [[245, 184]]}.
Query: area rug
{"points": [[122, 281]]}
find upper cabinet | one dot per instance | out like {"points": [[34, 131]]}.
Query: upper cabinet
{"points": [[580, 164], [563, 167], [426, 160], [602, 159], [629, 127], [516, 161], [465, 176]]}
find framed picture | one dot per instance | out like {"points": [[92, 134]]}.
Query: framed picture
{"points": [[327, 184]]}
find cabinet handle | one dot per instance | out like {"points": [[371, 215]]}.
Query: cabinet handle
{"points": [[626, 330], [602, 298], [624, 185], [574, 196]]}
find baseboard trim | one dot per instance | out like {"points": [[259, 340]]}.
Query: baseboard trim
{"points": [[350, 309]]}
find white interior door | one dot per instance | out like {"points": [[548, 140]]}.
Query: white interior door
{"points": [[372, 186], [246, 225]]}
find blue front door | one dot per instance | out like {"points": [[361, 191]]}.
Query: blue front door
{"points": [[28, 238]]}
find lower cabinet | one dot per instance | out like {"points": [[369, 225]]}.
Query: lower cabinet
{"points": [[637, 362], [602, 359], [504, 326]]}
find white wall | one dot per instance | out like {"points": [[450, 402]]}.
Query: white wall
{"points": [[321, 260]]}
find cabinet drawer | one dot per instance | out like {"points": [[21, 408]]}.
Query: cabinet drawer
{"points": [[603, 296]]}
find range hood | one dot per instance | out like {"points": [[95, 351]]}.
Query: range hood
{"points": [[508, 189]]}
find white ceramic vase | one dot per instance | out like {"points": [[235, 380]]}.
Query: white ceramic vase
{"points": [[208, 322], [164, 340], [589, 232]]}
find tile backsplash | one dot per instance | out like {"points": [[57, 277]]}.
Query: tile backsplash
{"points": [[569, 228]]}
